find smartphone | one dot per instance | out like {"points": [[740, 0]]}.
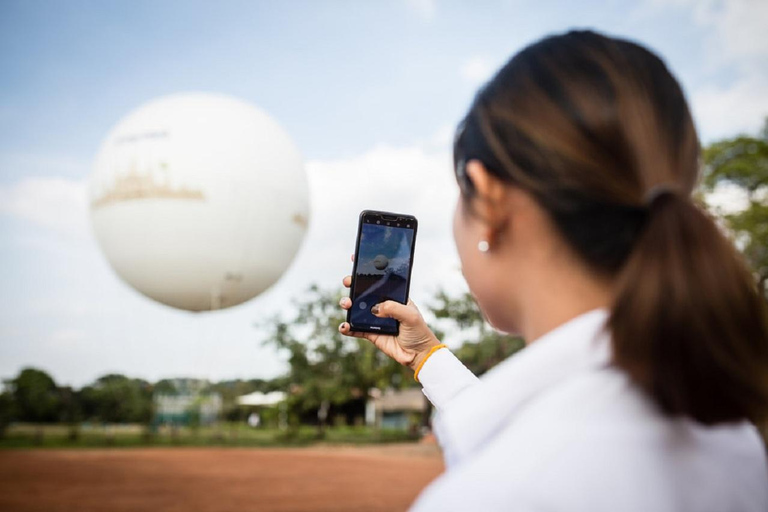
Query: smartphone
{"points": [[382, 268]]}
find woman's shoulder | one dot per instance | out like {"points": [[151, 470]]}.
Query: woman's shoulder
{"points": [[599, 433]]}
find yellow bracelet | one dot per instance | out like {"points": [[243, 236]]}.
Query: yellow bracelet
{"points": [[431, 351]]}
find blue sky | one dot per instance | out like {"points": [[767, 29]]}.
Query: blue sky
{"points": [[364, 88], [339, 75]]}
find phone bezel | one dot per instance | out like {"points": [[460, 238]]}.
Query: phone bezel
{"points": [[361, 220]]}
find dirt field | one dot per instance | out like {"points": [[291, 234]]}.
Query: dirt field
{"points": [[380, 478]]}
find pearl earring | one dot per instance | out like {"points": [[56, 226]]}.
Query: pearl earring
{"points": [[483, 246]]}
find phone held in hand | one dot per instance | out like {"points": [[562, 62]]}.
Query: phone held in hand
{"points": [[382, 268]]}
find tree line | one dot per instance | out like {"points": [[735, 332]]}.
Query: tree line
{"points": [[34, 397]]}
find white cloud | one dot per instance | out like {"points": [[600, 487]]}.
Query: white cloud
{"points": [[722, 112], [727, 198], [737, 46], [56, 203], [425, 9], [67, 338], [739, 39], [739, 28], [41, 165], [478, 70], [405, 180]]}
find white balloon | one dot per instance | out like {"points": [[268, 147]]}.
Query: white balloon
{"points": [[199, 201]]}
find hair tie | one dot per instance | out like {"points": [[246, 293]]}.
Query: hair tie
{"points": [[656, 192]]}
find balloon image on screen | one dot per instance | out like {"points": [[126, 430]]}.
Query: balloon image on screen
{"points": [[383, 267]]}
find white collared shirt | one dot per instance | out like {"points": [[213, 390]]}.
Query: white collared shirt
{"points": [[556, 427]]}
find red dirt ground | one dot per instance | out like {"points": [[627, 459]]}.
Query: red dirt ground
{"points": [[380, 478]]}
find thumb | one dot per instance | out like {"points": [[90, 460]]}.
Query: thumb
{"points": [[392, 309]]}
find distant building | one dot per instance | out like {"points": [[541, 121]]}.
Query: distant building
{"points": [[397, 409], [258, 401], [188, 402], [257, 398]]}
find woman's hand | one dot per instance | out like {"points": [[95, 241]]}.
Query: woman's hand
{"points": [[412, 343]]}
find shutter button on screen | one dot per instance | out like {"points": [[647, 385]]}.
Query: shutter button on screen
{"points": [[363, 305]]}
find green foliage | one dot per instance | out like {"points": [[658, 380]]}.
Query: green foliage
{"points": [[743, 161], [7, 411], [165, 387], [230, 434], [36, 396], [118, 399], [487, 347], [71, 410]]}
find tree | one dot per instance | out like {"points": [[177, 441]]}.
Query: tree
{"points": [[486, 348], [7, 411], [743, 161], [70, 411], [118, 399], [36, 396]]}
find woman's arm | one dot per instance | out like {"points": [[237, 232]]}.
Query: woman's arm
{"points": [[441, 374], [443, 377]]}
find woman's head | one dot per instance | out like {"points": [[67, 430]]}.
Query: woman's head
{"points": [[595, 134]]}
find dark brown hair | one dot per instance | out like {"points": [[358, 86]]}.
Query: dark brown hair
{"points": [[598, 131]]}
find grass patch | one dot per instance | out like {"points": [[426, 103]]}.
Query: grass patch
{"points": [[225, 434]]}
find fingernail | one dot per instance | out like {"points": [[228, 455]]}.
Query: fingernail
{"points": [[375, 309], [341, 302]]}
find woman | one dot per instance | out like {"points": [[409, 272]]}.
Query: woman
{"points": [[648, 340]]}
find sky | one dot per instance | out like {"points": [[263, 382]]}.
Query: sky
{"points": [[393, 243], [369, 91]]}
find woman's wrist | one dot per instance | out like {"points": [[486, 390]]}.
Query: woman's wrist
{"points": [[425, 359], [422, 354]]}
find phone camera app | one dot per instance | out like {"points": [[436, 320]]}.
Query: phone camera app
{"points": [[382, 270]]}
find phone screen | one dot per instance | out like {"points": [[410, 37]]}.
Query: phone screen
{"points": [[383, 261]]}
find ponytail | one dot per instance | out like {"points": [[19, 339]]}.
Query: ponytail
{"points": [[688, 324]]}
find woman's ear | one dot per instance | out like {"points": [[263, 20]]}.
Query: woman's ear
{"points": [[490, 201]]}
